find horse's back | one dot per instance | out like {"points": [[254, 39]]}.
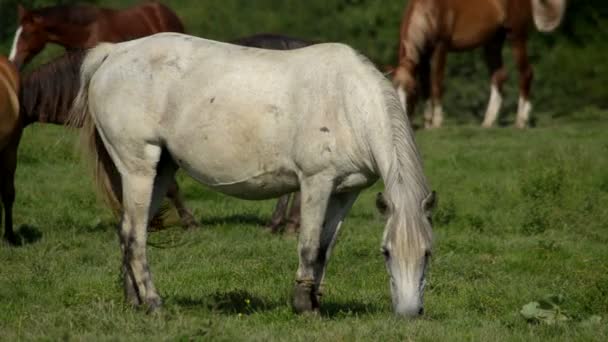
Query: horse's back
{"points": [[9, 102], [234, 118]]}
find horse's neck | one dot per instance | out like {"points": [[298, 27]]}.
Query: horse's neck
{"points": [[71, 36]]}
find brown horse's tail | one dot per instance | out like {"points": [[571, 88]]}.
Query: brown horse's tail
{"points": [[548, 14], [105, 173]]}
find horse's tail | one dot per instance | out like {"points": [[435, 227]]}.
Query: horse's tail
{"points": [[548, 14], [105, 173]]}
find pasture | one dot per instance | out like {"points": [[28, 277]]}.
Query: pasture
{"points": [[521, 215]]}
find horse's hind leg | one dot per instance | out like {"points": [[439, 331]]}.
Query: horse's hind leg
{"points": [[186, 218], [494, 62], [525, 81], [8, 165], [294, 215], [278, 215], [142, 193]]}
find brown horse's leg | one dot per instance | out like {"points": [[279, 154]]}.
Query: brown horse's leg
{"points": [[278, 215], [525, 81], [185, 215], [494, 62], [438, 61], [8, 165], [405, 83], [293, 218]]}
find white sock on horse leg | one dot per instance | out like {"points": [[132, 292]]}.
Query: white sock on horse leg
{"points": [[493, 107], [437, 115], [523, 112]]}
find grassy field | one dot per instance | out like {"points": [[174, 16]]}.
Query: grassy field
{"points": [[522, 215]]}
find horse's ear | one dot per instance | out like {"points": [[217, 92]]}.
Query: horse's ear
{"points": [[430, 202], [381, 204], [22, 11]]}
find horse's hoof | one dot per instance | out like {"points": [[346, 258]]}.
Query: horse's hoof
{"points": [[12, 240], [191, 225], [292, 227], [304, 300], [154, 305]]}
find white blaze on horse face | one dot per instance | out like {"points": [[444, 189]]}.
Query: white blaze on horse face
{"points": [[493, 107], [13, 53], [523, 112], [407, 279]]}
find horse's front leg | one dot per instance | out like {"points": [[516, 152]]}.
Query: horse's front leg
{"points": [[315, 192], [337, 208]]}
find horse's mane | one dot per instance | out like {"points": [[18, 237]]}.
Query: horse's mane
{"points": [[47, 93], [405, 184], [69, 14]]}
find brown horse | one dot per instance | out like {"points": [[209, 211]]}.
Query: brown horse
{"points": [[45, 96], [9, 139], [282, 214], [83, 26], [432, 28]]}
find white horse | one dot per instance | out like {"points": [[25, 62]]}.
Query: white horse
{"points": [[256, 124]]}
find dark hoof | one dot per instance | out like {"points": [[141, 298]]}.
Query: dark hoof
{"points": [[154, 305], [305, 300], [13, 240], [191, 225]]}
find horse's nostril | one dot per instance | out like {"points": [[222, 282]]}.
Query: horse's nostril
{"points": [[421, 312]]}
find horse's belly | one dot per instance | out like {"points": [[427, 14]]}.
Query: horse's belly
{"points": [[264, 185]]}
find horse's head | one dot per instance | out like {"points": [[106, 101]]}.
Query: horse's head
{"points": [[30, 38], [407, 249]]}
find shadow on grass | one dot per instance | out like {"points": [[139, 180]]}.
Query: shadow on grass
{"points": [[234, 219], [26, 235], [332, 309], [231, 302], [244, 302]]}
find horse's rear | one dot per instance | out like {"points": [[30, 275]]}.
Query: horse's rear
{"points": [[10, 132], [9, 100]]}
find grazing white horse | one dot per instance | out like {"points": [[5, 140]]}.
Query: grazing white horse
{"points": [[256, 124]]}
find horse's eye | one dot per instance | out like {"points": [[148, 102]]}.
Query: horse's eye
{"points": [[386, 253]]}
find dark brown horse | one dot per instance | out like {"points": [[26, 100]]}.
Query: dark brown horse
{"points": [[432, 28], [83, 26], [282, 213], [45, 96]]}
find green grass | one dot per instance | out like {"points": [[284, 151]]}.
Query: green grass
{"points": [[522, 214]]}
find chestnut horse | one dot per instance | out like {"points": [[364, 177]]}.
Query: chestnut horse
{"points": [[9, 139], [83, 26], [432, 28], [282, 213], [45, 96]]}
